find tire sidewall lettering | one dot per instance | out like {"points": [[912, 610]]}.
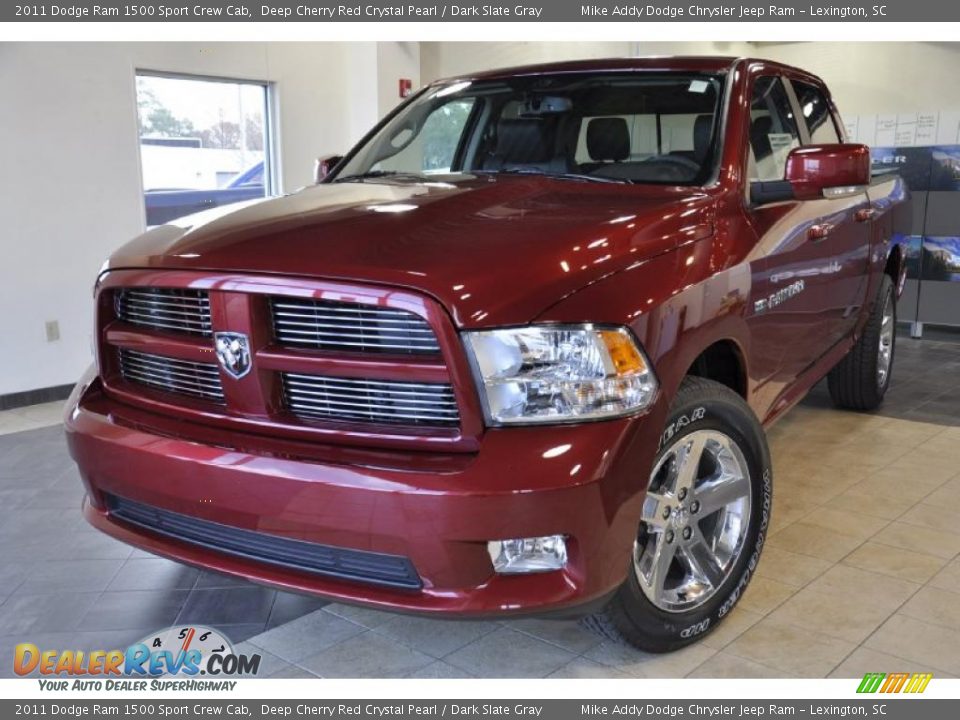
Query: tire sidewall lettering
{"points": [[679, 423], [699, 404], [696, 629], [734, 598], [675, 426]]}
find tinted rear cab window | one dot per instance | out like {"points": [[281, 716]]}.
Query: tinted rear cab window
{"points": [[773, 130], [816, 113]]}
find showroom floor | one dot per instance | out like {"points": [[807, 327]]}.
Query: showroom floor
{"points": [[861, 571]]}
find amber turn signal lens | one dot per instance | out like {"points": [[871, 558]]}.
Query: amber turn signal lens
{"points": [[623, 352]]}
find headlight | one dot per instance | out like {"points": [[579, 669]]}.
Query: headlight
{"points": [[544, 374]]}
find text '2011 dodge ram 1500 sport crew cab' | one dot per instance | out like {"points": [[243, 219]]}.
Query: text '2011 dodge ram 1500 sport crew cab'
{"points": [[513, 354]]}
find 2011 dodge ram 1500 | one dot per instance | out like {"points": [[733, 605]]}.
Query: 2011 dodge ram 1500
{"points": [[514, 354]]}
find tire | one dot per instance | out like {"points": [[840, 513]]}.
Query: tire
{"points": [[861, 379], [662, 616]]}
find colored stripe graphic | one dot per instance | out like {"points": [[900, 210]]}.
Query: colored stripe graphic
{"points": [[894, 682], [870, 682], [919, 682]]}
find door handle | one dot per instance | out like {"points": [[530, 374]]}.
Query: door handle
{"points": [[864, 214], [819, 232]]}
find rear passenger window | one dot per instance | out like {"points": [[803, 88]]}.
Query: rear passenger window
{"points": [[642, 130], [816, 113], [676, 135], [773, 130]]}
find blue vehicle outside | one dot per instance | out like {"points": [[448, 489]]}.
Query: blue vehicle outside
{"points": [[169, 204]]}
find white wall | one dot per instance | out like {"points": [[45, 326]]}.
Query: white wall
{"points": [[395, 60], [448, 59], [70, 180], [725, 48], [364, 108]]}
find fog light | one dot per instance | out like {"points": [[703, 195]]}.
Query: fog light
{"points": [[528, 555]]}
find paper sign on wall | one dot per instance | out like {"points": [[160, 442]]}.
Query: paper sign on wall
{"points": [[906, 133], [922, 129], [886, 130], [927, 128], [850, 127], [948, 128], [867, 129]]}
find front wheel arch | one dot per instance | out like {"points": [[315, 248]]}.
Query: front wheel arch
{"points": [[629, 616], [724, 363], [896, 269]]}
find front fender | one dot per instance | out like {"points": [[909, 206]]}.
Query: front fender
{"points": [[674, 305]]}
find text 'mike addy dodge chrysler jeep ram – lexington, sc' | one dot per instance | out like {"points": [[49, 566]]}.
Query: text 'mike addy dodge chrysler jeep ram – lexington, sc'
{"points": [[512, 354]]}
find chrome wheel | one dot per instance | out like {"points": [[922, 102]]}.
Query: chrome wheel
{"points": [[695, 520], [885, 351]]}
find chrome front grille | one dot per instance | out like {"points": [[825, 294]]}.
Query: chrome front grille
{"points": [[183, 377], [319, 364], [350, 327], [372, 401], [170, 310]]}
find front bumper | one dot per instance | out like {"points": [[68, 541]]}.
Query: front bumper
{"points": [[437, 510]]}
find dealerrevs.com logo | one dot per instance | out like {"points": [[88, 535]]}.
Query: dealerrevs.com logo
{"points": [[172, 659]]}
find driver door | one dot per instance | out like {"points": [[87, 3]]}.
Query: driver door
{"points": [[807, 253]]}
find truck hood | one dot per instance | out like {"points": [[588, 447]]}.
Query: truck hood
{"points": [[493, 250]]}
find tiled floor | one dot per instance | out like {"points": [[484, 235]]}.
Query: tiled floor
{"points": [[30, 418], [861, 571]]}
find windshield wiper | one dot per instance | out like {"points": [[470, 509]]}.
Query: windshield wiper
{"points": [[360, 177], [558, 176]]}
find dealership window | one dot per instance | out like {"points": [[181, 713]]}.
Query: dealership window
{"points": [[204, 143], [773, 130]]}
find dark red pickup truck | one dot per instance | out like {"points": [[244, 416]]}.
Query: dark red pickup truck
{"points": [[514, 354]]}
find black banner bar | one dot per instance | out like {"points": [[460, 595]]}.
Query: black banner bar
{"points": [[331, 11]]}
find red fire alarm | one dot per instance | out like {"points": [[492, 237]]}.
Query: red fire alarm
{"points": [[406, 87]]}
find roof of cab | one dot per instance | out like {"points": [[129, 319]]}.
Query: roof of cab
{"points": [[666, 62], [692, 63]]}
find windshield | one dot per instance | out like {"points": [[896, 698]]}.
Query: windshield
{"points": [[611, 127]]}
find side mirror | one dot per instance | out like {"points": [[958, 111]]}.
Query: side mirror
{"points": [[324, 165], [817, 171]]}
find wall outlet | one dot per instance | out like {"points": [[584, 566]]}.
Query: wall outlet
{"points": [[53, 330]]}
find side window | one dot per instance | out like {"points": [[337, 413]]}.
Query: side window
{"points": [[676, 136], [816, 113], [642, 130], [434, 143], [773, 130]]}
